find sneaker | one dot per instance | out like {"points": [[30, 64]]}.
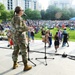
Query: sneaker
{"points": [[49, 46], [67, 45]]}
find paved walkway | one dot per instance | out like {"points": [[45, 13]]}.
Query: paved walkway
{"points": [[58, 66]]}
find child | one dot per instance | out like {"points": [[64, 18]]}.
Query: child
{"points": [[56, 42], [11, 43], [9, 39]]}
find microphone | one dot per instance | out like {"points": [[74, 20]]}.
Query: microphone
{"points": [[24, 14]]}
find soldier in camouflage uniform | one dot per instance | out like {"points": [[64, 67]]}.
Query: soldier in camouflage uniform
{"points": [[18, 27]]}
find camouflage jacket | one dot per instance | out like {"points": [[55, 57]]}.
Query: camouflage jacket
{"points": [[17, 28]]}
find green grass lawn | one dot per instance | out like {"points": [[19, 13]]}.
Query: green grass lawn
{"points": [[53, 31]]}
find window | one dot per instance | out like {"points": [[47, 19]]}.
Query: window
{"points": [[10, 4], [55, 3], [34, 5], [26, 4]]}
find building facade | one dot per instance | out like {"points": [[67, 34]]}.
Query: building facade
{"points": [[11, 4], [32, 4], [61, 3]]}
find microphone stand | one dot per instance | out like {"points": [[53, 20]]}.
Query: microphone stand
{"points": [[45, 57], [28, 53], [28, 48]]}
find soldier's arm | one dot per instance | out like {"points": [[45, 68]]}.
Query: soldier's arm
{"points": [[22, 26], [19, 25]]}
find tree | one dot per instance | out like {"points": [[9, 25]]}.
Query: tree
{"points": [[28, 12], [2, 7], [51, 12], [55, 13], [11, 13], [43, 13], [72, 12], [5, 15], [65, 14], [35, 15]]}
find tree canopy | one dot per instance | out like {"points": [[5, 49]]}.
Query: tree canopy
{"points": [[51, 13], [55, 13]]}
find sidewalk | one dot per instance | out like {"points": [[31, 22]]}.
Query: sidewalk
{"points": [[58, 66]]}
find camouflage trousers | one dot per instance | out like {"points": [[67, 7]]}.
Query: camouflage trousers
{"points": [[22, 47]]}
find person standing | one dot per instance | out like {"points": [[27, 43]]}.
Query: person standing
{"points": [[18, 27], [29, 35], [56, 41], [65, 38], [50, 38], [60, 35], [43, 32], [32, 35]]}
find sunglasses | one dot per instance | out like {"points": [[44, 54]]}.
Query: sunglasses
{"points": [[21, 10]]}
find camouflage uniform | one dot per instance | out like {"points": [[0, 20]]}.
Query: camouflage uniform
{"points": [[17, 28]]}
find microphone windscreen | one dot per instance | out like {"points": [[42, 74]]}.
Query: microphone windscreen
{"points": [[24, 14]]}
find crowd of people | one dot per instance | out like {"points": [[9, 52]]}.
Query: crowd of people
{"points": [[61, 36]]}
